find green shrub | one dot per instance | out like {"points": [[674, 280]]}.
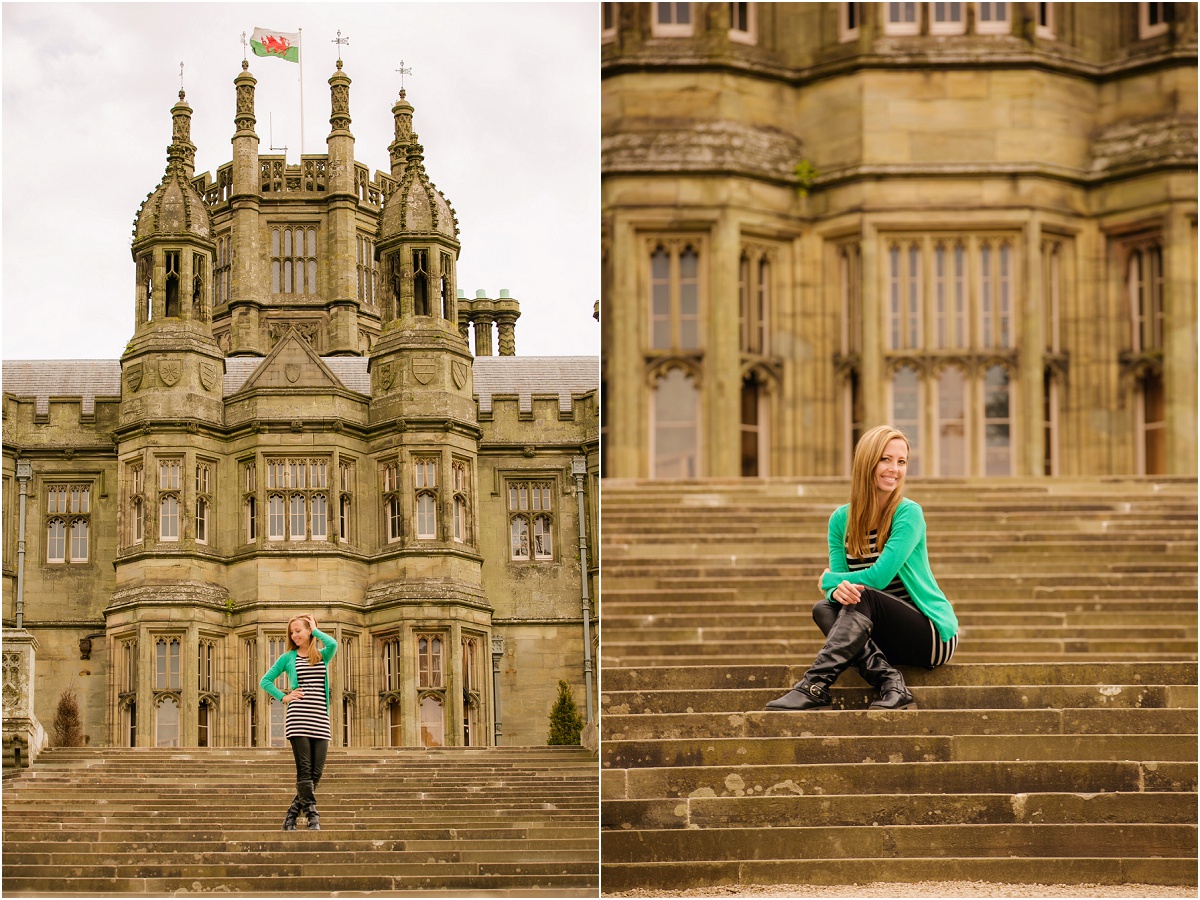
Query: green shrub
{"points": [[565, 721]]}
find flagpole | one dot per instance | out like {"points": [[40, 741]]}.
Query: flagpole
{"points": [[301, 33]]}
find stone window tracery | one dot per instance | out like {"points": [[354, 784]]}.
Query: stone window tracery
{"points": [[473, 735], [222, 269], [367, 269], [172, 285], [461, 476], [169, 490], [431, 698], [204, 499], [294, 260], [68, 523], [675, 425], [674, 280], [425, 485], [298, 499], [531, 520], [392, 503]]}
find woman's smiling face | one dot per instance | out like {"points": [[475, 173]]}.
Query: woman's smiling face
{"points": [[891, 468]]}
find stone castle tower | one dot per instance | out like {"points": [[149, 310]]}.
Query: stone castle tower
{"points": [[298, 424]]}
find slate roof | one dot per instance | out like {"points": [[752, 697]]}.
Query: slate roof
{"points": [[46, 378], [522, 376], [525, 376]]}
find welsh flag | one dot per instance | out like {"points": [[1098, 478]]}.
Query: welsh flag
{"points": [[283, 44]]}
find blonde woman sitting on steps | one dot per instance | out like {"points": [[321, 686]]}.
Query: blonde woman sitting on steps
{"points": [[882, 605]]}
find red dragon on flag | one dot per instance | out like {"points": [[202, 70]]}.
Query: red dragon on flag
{"points": [[280, 44]]}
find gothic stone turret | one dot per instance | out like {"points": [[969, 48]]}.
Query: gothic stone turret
{"points": [[172, 368]]}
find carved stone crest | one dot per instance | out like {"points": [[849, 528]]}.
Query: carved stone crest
{"points": [[424, 368], [133, 377], [458, 371], [169, 371], [387, 374], [291, 372], [208, 375]]}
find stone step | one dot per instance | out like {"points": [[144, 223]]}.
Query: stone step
{"points": [[901, 841], [1058, 746], [675, 877], [847, 696], [768, 751], [282, 882], [926, 777], [789, 810], [923, 721], [1089, 674], [158, 821], [1181, 647]]}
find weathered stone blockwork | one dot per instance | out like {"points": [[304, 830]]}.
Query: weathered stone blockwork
{"points": [[796, 206]]}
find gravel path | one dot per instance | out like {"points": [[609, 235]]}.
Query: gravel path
{"points": [[925, 889]]}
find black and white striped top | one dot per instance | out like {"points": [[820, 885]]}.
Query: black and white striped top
{"points": [[309, 716], [896, 587]]}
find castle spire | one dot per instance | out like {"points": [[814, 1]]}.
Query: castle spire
{"points": [[181, 153]]}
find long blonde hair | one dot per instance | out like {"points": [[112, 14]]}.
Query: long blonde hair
{"points": [[314, 653], [863, 498]]}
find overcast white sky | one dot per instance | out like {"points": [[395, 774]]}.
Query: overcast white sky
{"points": [[506, 99]]}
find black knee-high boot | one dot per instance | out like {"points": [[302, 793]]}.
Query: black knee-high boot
{"points": [[872, 665], [310, 811], [308, 802], [289, 819], [845, 640]]}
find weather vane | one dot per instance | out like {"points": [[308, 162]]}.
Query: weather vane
{"points": [[403, 71], [181, 77], [339, 41], [243, 45]]}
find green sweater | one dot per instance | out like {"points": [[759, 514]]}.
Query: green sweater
{"points": [[287, 663], [905, 554]]}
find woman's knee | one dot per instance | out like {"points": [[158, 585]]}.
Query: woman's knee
{"points": [[825, 614]]}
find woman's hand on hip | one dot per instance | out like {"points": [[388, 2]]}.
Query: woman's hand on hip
{"points": [[847, 594], [297, 694]]}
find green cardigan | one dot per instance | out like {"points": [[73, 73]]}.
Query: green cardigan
{"points": [[287, 663], [905, 554]]}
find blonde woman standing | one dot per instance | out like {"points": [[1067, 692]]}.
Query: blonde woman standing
{"points": [[306, 720], [882, 605]]}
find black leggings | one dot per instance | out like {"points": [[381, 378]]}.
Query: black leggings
{"points": [[904, 634], [310, 758]]}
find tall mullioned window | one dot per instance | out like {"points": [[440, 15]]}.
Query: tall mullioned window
{"points": [[298, 499], [367, 270], [675, 296], [461, 475], [294, 260], [425, 484], [68, 522], [204, 478], [169, 489], [393, 506], [221, 270], [531, 519]]}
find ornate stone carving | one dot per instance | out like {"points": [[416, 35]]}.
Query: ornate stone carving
{"points": [[133, 377], [459, 372], [424, 368], [16, 684], [386, 375], [169, 371], [208, 375], [291, 372]]}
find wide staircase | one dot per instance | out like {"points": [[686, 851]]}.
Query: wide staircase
{"points": [[1057, 747], [504, 821]]}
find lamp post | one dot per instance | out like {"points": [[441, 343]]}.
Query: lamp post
{"points": [[579, 470]]}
